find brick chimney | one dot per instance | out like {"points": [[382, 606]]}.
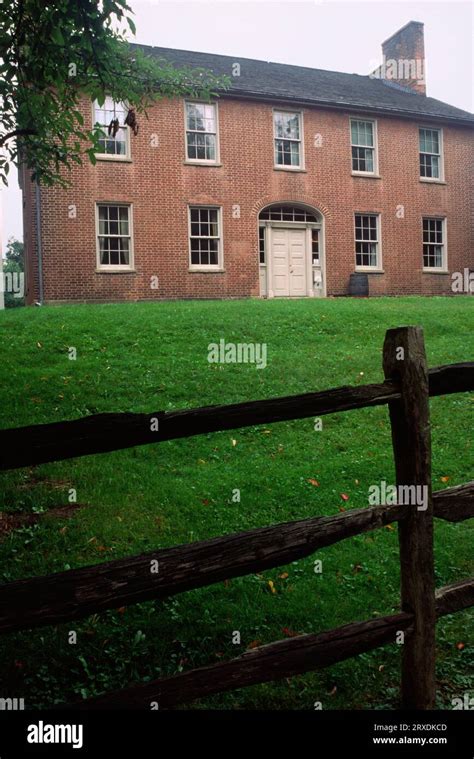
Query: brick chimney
{"points": [[404, 58]]}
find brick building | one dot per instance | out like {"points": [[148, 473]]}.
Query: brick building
{"points": [[287, 184]]}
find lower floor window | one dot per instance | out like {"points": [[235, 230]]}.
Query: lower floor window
{"points": [[367, 240], [261, 244], [315, 247], [205, 239], [114, 236], [433, 244]]}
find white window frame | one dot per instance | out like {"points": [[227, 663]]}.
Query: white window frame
{"points": [[282, 166], [441, 155], [443, 269], [100, 267], [220, 253], [114, 156], [378, 266], [375, 172], [201, 161]]}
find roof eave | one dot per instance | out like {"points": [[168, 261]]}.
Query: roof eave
{"points": [[345, 106]]}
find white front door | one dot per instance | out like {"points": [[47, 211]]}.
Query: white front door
{"points": [[289, 262]]}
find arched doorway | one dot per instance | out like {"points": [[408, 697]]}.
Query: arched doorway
{"points": [[291, 249]]}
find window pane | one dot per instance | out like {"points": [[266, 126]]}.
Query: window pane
{"points": [[362, 133], [295, 153]]}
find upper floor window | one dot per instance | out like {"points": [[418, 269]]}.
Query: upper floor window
{"points": [[114, 236], [434, 245], [367, 241], [205, 240], [287, 139], [430, 154], [115, 138], [201, 132], [363, 146]]}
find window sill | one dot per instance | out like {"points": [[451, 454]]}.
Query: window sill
{"points": [[114, 158], [368, 270], [435, 271], [365, 174], [116, 271], [210, 164], [427, 180], [197, 270], [294, 170]]}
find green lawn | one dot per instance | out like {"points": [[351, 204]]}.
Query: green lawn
{"points": [[145, 357]]}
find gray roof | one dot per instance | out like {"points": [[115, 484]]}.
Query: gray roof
{"points": [[282, 82]]}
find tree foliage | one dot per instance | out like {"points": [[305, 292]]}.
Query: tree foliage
{"points": [[54, 53], [12, 273], [14, 252]]}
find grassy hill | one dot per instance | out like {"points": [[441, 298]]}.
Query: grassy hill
{"points": [[150, 357]]}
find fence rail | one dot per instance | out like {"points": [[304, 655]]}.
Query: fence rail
{"points": [[102, 433], [76, 593], [59, 597]]}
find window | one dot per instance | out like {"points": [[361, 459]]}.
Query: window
{"points": [[205, 239], [287, 137], [261, 244], [363, 146], [367, 240], [430, 153], [315, 247], [201, 132], [114, 142], [287, 213], [114, 237], [434, 244]]}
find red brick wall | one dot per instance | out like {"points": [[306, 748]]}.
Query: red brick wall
{"points": [[161, 186]]}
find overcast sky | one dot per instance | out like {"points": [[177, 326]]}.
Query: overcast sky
{"points": [[325, 34]]}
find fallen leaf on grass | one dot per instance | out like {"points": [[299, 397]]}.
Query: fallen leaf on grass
{"points": [[271, 586], [289, 633], [283, 576], [313, 482], [254, 644]]}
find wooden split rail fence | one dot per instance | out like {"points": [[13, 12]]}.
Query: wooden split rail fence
{"points": [[408, 384]]}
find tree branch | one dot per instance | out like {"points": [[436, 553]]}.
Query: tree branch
{"points": [[16, 133]]}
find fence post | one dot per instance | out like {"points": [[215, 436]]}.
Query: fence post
{"points": [[404, 360]]}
